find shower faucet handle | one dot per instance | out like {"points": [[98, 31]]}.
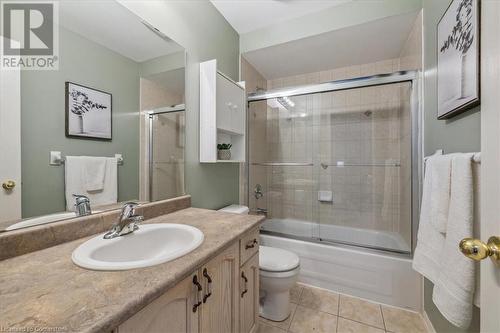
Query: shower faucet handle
{"points": [[258, 191]]}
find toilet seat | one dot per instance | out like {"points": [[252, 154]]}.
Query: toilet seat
{"points": [[273, 260], [280, 275]]}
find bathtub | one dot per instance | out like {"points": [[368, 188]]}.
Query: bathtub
{"points": [[347, 235], [374, 275]]}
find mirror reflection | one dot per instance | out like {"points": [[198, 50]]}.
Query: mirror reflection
{"points": [[106, 127]]}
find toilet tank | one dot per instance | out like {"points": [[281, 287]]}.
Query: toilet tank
{"points": [[235, 209]]}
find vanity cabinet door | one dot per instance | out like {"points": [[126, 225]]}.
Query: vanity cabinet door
{"points": [[249, 295], [238, 114], [230, 103], [171, 312], [219, 312], [224, 103]]}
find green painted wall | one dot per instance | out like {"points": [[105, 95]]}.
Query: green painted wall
{"points": [[205, 34], [334, 18], [459, 134], [164, 63], [43, 121]]}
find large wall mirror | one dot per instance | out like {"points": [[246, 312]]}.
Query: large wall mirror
{"points": [[107, 125]]}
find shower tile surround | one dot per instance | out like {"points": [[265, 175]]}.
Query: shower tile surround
{"points": [[366, 125], [319, 310]]}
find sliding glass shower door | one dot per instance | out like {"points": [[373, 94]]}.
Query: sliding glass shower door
{"points": [[281, 168], [335, 166], [363, 139]]}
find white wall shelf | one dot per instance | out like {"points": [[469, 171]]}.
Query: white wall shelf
{"points": [[222, 114]]}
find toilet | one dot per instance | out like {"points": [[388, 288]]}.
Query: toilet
{"points": [[279, 270]]}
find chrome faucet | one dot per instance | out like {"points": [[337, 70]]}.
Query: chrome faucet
{"points": [[127, 222], [82, 205]]}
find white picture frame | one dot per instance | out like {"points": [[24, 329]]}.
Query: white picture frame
{"points": [[458, 83]]}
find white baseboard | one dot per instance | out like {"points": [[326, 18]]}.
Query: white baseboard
{"points": [[428, 323]]}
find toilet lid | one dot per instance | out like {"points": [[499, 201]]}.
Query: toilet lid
{"points": [[277, 260], [236, 209]]}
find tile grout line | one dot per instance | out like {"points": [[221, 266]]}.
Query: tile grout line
{"points": [[291, 320], [360, 322], [338, 313], [383, 319], [293, 314]]}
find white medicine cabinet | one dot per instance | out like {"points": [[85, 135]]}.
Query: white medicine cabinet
{"points": [[222, 114]]}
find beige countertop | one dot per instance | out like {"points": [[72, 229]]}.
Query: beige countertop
{"points": [[44, 290]]}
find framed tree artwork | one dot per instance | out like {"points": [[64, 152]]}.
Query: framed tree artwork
{"points": [[458, 58], [88, 112]]}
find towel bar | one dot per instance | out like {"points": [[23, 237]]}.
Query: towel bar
{"points": [[475, 158], [55, 158]]}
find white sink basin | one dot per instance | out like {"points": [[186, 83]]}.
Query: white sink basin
{"points": [[152, 244]]}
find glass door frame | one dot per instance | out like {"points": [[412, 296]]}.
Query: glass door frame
{"points": [[151, 114], [412, 77]]}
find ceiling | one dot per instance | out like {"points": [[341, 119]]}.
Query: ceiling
{"points": [[248, 15], [112, 25], [365, 43]]}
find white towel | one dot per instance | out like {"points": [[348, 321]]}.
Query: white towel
{"points": [[454, 289], [437, 256], [94, 172], [430, 241], [441, 169], [75, 169]]}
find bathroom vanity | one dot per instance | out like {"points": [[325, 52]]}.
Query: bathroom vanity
{"points": [[214, 288], [220, 296]]}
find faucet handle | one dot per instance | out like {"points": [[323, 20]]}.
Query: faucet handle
{"points": [[80, 198], [136, 219], [82, 205], [130, 204], [128, 209]]}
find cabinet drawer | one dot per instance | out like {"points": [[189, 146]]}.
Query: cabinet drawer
{"points": [[249, 245]]}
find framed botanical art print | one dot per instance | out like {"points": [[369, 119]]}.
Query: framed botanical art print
{"points": [[458, 58], [88, 112]]}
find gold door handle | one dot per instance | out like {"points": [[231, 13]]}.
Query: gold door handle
{"points": [[9, 185], [478, 250]]}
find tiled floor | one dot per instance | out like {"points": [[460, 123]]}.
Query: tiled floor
{"points": [[321, 311]]}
